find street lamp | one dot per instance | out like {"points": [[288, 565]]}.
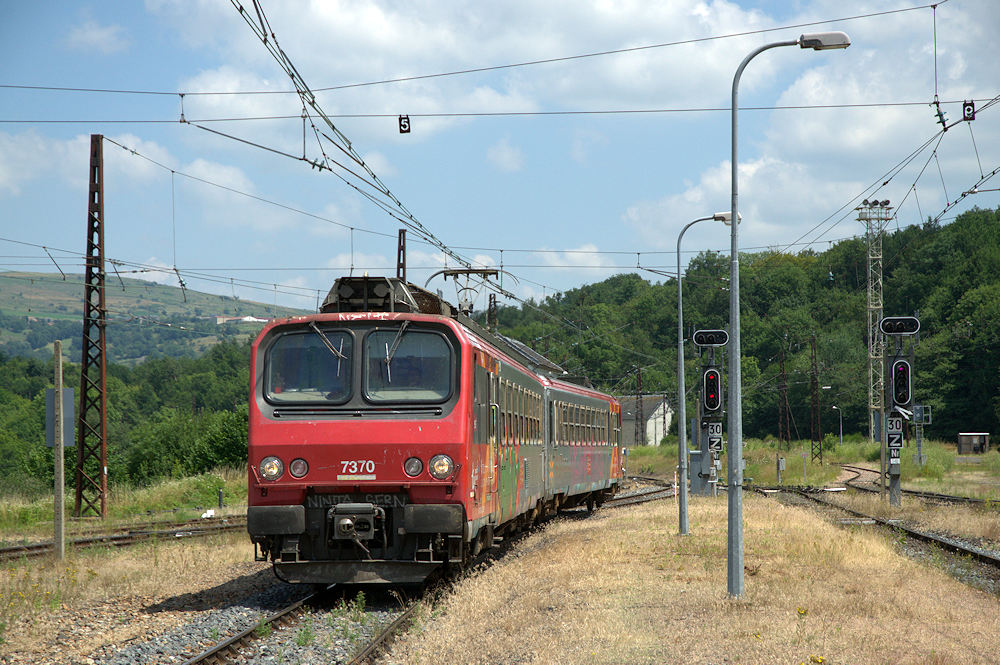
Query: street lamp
{"points": [[841, 414], [681, 415], [818, 41]]}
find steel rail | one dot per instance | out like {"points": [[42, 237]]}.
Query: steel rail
{"points": [[190, 530], [225, 650], [380, 641], [946, 543], [930, 496]]}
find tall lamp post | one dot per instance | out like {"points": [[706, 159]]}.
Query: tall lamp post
{"points": [[841, 414], [819, 41], [681, 415]]}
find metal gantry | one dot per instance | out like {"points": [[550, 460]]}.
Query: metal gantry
{"points": [[92, 424], [875, 215], [815, 424]]}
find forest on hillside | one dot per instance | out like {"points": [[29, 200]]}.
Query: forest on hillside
{"points": [[947, 275], [166, 417], [173, 416]]}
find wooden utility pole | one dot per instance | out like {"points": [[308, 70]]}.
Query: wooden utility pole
{"points": [[92, 423]]}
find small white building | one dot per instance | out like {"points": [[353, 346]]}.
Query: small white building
{"points": [[657, 414]]}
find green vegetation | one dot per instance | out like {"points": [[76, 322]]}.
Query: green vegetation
{"points": [[940, 473], [144, 319], [169, 498], [177, 398], [949, 274], [167, 418]]}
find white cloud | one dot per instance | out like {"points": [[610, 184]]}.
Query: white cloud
{"points": [[220, 174], [505, 156], [156, 271], [378, 163], [584, 141], [91, 36], [779, 202], [358, 263], [23, 157]]}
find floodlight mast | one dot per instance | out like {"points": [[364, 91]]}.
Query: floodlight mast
{"points": [[818, 41], [682, 453]]}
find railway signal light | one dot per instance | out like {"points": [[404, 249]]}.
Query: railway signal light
{"points": [[712, 390], [710, 338], [899, 325], [902, 383]]}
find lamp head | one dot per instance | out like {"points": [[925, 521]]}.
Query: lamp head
{"points": [[823, 41], [726, 217]]}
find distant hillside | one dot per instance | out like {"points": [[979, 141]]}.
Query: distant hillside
{"points": [[144, 319]]}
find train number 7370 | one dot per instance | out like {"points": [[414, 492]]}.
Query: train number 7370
{"points": [[357, 466]]}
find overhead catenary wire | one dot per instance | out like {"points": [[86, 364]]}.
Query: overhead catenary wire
{"points": [[472, 114], [483, 69], [368, 184], [517, 265]]}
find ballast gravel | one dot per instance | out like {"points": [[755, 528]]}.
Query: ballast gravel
{"points": [[189, 639], [328, 633]]}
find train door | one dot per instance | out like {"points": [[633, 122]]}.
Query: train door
{"points": [[508, 461], [494, 441], [479, 451], [546, 434]]}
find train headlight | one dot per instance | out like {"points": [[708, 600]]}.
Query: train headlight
{"points": [[271, 468], [441, 466], [299, 467], [413, 467]]}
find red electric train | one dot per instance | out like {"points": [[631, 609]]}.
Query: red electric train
{"points": [[391, 435]]}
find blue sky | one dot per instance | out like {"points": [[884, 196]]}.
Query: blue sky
{"points": [[569, 198]]}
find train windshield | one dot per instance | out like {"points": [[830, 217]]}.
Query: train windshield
{"points": [[311, 366], [406, 365]]}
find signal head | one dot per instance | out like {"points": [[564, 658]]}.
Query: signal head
{"points": [[712, 390], [902, 383], [710, 338], [899, 325]]}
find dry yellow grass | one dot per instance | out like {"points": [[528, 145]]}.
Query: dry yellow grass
{"points": [[961, 520], [99, 596], [623, 587]]}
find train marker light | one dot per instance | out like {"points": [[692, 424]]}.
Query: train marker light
{"points": [[902, 383], [712, 390], [899, 325], [413, 467], [298, 468], [710, 338]]}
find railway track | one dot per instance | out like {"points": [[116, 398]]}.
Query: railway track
{"points": [[233, 649], [991, 558], [873, 475], [130, 536]]}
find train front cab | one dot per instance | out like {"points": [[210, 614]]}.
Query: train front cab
{"points": [[362, 482]]}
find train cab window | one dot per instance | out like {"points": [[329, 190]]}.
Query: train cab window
{"points": [[405, 365], [301, 367]]}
